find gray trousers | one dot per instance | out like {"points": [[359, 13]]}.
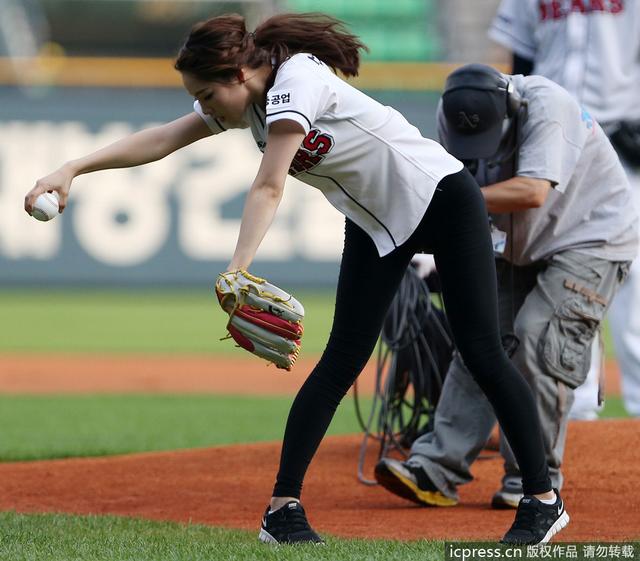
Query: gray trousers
{"points": [[554, 308]]}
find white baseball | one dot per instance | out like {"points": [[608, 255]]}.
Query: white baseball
{"points": [[46, 207]]}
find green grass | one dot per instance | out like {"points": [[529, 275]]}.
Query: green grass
{"points": [[613, 408], [155, 321], [41, 427], [53, 537], [129, 321], [142, 321]]}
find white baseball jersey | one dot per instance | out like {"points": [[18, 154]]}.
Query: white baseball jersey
{"points": [[368, 161], [589, 47]]}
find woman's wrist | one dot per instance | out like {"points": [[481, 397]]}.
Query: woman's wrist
{"points": [[235, 267], [240, 261], [71, 168]]}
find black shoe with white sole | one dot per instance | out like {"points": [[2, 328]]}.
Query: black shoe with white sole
{"points": [[287, 525], [536, 522]]}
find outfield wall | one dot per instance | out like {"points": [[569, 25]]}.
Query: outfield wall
{"points": [[171, 222]]}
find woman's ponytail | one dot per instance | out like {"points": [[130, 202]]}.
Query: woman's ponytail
{"points": [[327, 38], [217, 48]]}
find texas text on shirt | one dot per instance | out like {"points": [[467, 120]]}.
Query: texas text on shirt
{"points": [[369, 162], [591, 48]]}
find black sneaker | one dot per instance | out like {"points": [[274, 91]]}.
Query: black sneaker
{"points": [[410, 482], [287, 525], [536, 522]]}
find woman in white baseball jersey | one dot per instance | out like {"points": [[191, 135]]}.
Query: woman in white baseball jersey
{"points": [[400, 193]]}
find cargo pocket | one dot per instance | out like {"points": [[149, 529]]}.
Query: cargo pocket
{"points": [[565, 345]]}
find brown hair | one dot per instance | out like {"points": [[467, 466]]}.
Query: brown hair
{"points": [[216, 49]]}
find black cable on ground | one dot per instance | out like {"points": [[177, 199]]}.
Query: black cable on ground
{"points": [[413, 355]]}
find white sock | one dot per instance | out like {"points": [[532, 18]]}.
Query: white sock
{"points": [[549, 501], [285, 504]]}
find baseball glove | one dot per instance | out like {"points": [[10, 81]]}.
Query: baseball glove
{"points": [[263, 319]]}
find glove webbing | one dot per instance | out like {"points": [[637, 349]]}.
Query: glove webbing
{"points": [[264, 293]]}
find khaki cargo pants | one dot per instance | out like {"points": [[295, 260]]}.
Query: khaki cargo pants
{"points": [[555, 309]]}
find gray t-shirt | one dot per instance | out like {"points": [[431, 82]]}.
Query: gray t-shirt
{"points": [[590, 206]]}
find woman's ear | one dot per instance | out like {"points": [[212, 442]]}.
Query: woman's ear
{"points": [[241, 75]]}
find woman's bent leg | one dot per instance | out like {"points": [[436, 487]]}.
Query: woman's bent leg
{"points": [[465, 260], [366, 288]]}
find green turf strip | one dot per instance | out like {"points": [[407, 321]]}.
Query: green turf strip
{"points": [[144, 321], [141, 321], [40, 427], [108, 538], [613, 408]]}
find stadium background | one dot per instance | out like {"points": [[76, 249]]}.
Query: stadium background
{"points": [[108, 327], [102, 69]]}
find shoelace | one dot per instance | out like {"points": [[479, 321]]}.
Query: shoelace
{"points": [[295, 520], [525, 517]]}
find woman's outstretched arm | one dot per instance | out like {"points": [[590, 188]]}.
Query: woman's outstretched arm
{"points": [[137, 149]]}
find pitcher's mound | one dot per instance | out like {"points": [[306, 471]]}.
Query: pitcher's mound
{"points": [[230, 486]]}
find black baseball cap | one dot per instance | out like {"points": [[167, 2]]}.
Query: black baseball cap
{"points": [[474, 105]]}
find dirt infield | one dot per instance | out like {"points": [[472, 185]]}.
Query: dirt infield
{"points": [[229, 486], [44, 374], [170, 374]]}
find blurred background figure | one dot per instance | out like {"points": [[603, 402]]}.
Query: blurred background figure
{"points": [[23, 28], [592, 49]]}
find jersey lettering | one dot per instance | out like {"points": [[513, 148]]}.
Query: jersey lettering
{"points": [[312, 151], [577, 6], [314, 59], [281, 98], [557, 9], [617, 6], [317, 142]]}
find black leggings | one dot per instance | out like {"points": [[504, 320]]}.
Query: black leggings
{"points": [[455, 228]]}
